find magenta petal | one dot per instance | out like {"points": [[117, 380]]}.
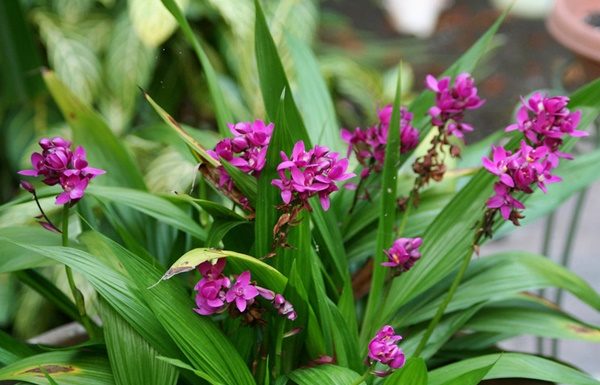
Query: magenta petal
{"points": [[286, 196], [94, 171], [324, 202], [511, 127], [62, 198], [431, 83], [507, 180], [505, 211], [241, 304], [28, 172]]}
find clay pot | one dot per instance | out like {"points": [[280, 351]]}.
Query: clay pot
{"points": [[576, 25]]}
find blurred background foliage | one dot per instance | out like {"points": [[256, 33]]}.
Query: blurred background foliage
{"points": [[106, 50]]}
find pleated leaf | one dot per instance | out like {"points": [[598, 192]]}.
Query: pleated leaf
{"points": [[414, 372], [501, 276], [513, 365], [66, 368], [325, 375], [151, 205], [132, 359], [15, 258]]}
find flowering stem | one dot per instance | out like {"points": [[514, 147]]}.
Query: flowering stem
{"points": [[356, 194], [79, 300], [440, 311], [482, 231], [566, 253], [37, 202], [545, 252], [402, 226]]}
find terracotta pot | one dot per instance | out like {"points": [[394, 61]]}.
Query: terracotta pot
{"points": [[576, 25]]}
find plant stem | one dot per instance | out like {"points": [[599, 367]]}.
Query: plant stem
{"points": [[402, 226], [483, 229], [440, 311], [356, 194], [37, 202], [566, 254], [363, 377], [545, 252], [79, 300]]}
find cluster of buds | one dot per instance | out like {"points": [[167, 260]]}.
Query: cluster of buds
{"points": [[58, 164], [447, 116], [403, 254], [215, 293], [246, 150], [544, 122], [383, 348], [369, 144]]}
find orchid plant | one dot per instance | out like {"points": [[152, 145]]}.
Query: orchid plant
{"points": [[303, 260]]}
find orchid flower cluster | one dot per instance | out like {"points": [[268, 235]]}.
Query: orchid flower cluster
{"points": [[403, 254], [369, 144], [58, 164], [215, 293], [310, 173], [246, 150], [544, 121], [383, 348], [452, 101]]}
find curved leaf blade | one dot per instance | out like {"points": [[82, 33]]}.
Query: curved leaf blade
{"points": [[66, 367], [510, 365], [263, 272]]}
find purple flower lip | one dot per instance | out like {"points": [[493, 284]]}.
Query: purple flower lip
{"points": [[57, 164]]}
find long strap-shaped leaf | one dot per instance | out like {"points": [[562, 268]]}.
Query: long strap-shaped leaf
{"points": [[156, 313], [387, 219], [498, 277], [66, 368], [133, 360], [513, 365]]}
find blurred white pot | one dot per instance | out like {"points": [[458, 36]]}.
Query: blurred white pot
{"points": [[418, 18], [534, 9]]}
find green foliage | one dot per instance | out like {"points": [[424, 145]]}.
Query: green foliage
{"points": [[130, 235]]}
